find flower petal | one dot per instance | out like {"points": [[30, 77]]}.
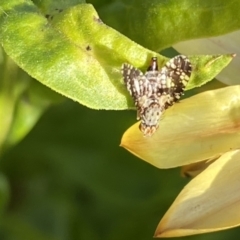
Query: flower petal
{"points": [[192, 170], [228, 43], [196, 129], [210, 202]]}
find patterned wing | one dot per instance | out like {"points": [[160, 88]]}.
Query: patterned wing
{"points": [[167, 86], [173, 77], [137, 85], [156, 90], [134, 80]]}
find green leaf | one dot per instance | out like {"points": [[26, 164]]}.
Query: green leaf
{"points": [[206, 67], [75, 54], [28, 109], [53, 6], [89, 71], [221, 44], [160, 24], [13, 82], [22, 102]]}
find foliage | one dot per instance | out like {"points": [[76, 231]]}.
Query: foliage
{"points": [[68, 179]]}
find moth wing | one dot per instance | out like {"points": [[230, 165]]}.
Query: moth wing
{"points": [[134, 80], [174, 76], [137, 85]]}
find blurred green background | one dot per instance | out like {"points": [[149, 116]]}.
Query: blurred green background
{"points": [[69, 179]]}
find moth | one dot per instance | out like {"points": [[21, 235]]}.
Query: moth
{"points": [[157, 89]]}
